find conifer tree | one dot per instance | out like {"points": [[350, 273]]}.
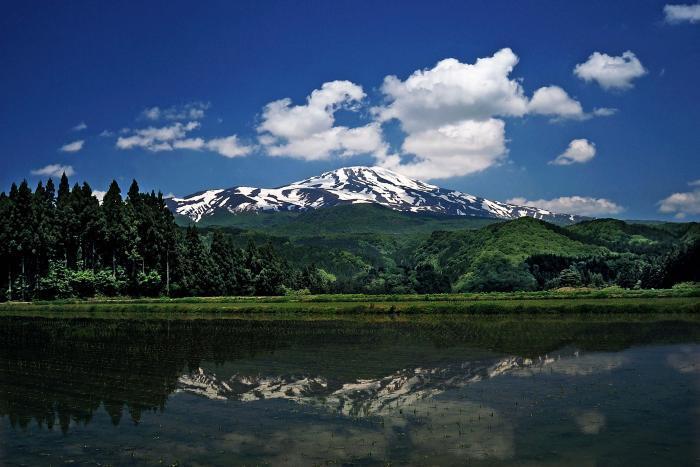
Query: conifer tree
{"points": [[228, 260], [66, 223], [22, 223], [115, 231], [44, 225], [5, 250], [197, 269], [91, 223]]}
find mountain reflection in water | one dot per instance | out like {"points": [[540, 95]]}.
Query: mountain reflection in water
{"points": [[304, 392], [382, 396]]}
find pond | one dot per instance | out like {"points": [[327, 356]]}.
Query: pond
{"points": [[497, 390]]}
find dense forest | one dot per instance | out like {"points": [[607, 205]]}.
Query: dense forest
{"points": [[63, 243]]}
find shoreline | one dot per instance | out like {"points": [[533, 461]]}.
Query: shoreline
{"points": [[475, 304]]}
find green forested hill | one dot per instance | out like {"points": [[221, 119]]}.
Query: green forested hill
{"points": [[465, 254], [633, 237]]}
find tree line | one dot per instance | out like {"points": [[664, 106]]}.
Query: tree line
{"points": [[62, 243]]}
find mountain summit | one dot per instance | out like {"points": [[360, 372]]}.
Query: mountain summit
{"points": [[354, 185]]}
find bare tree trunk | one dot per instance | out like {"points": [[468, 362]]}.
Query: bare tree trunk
{"points": [[9, 283], [167, 273], [114, 265], [37, 272], [23, 278]]}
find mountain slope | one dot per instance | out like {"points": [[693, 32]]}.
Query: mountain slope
{"points": [[353, 185], [366, 218]]}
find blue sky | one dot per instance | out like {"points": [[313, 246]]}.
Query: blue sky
{"points": [[487, 97]]}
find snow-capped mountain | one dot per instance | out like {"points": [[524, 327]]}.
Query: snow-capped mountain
{"points": [[354, 185]]}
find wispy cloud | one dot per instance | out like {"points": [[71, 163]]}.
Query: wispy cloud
{"points": [[75, 146], [229, 146], [190, 111], [169, 138], [581, 205], [151, 113], [80, 127], [604, 112], [54, 170], [156, 139], [682, 13]]}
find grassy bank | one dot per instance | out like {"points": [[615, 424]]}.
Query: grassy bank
{"points": [[612, 300]]}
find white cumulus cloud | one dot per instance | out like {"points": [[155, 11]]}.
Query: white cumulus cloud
{"points": [[453, 113], [451, 150], [611, 72], [553, 100], [682, 13], [74, 146], [228, 146], [579, 151], [453, 91], [581, 205], [309, 132], [54, 170], [683, 203]]}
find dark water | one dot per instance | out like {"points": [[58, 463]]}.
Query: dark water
{"points": [[488, 391]]}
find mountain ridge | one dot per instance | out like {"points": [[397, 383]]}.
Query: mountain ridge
{"points": [[354, 185]]}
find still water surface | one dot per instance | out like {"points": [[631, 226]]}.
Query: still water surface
{"points": [[420, 391]]}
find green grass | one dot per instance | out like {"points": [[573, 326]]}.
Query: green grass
{"points": [[610, 300]]}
